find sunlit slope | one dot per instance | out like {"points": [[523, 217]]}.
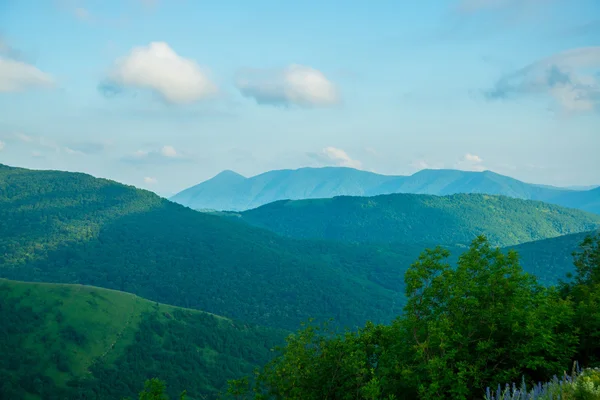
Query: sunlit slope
{"points": [[412, 218], [67, 341]]}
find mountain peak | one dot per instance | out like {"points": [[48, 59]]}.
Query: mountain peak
{"points": [[228, 174]]}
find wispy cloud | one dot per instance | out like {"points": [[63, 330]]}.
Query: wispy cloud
{"points": [[470, 162], [16, 75], [2, 145], [420, 164], [165, 154], [570, 78], [335, 156], [159, 69], [295, 85], [42, 145], [150, 180]]}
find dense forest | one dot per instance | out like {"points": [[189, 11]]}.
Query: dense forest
{"points": [[411, 218], [81, 342], [73, 228], [463, 331]]}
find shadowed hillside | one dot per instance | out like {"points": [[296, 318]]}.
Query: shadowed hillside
{"points": [[73, 228]]}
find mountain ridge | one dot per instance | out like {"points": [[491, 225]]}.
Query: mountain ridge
{"points": [[327, 182], [401, 217]]}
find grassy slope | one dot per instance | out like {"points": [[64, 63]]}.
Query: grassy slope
{"points": [[73, 228], [409, 218], [62, 338]]}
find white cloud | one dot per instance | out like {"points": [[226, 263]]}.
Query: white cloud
{"points": [[163, 154], [472, 158], [2, 145], [340, 157], [470, 162], [168, 151], [17, 76], [150, 181], [424, 164], [570, 78], [294, 85], [158, 68], [69, 150], [420, 164], [24, 138]]}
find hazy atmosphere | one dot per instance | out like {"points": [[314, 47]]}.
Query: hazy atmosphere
{"points": [[300, 200], [165, 94]]}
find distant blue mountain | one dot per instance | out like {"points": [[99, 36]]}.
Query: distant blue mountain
{"points": [[231, 191]]}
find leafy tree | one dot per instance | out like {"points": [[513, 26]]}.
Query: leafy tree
{"points": [[154, 389], [584, 291], [483, 323]]}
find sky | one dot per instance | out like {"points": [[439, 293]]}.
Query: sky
{"points": [[164, 94]]}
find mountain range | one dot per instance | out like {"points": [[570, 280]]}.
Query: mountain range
{"points": [[244, 278], [233, 192]]}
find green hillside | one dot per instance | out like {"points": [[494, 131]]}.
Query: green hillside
{"points": [[73, 341], [410, 218], [73, 228], [550, 259]]}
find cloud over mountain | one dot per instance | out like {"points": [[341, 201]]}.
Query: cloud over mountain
{"points": [[335, 156], [296, 85], [158, 68]]}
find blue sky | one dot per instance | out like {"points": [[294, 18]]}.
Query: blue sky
{"points": [[164, 94]]}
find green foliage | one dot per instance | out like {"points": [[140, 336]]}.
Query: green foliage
{"points": [[551, 260], [584, 291], [73, 228], [484, 322], [411, 218], [580, 385], [463, 329], [154, 389], [71, 341]]}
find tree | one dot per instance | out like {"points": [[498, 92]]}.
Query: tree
{"points": [[480, 324], [584, 291], [154, 389]]}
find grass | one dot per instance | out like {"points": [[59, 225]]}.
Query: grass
{"points": [[96, 330]]}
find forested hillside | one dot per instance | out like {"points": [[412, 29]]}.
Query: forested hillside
{"points": [[82, 342], [73, 228], [550, 259], [410, 218]]}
